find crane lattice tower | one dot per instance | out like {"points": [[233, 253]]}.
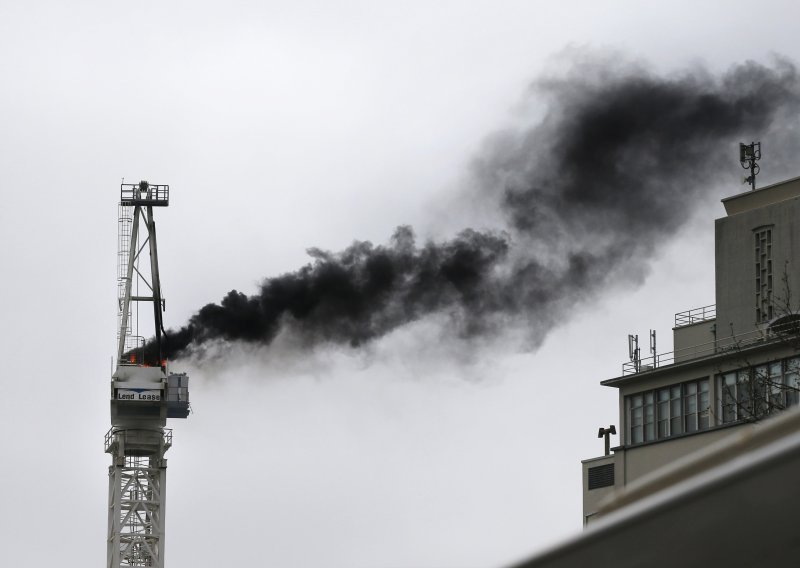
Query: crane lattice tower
{"points": [[143, 393]]}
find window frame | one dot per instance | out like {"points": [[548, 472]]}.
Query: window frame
{"points": [[757, 391], [662, 413]]}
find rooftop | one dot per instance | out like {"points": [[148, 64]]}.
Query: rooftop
{"points": [[766, 195]]}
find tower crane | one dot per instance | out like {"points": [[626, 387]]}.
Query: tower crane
{"points": [[144, 394]]}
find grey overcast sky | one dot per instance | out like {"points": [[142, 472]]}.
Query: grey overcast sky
{"points": [[285, 125]]}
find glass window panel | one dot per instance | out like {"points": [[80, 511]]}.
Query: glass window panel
{"points": [[776, 396], [791, 380], [744, 389], [636, 416], [728, 413], [636, 435], [702, 407], [727, 397], [728, 394], [663, 413], [649, 416], [759, 389], [675, 426], [792, 389], [691, 422]]}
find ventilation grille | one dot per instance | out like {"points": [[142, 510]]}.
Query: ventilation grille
{"points": [[601, 476]]}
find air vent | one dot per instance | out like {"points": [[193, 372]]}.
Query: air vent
{"points": [[601, 476]]}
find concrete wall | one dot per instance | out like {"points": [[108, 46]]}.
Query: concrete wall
{"points": [[638, 461], [695, 340], [591, 498], [735, 264]]}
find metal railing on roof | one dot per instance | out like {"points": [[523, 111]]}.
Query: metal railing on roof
{"points": [[718, 346], [696, 315]]}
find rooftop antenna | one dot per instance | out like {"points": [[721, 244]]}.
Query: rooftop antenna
{"points": [[633, 351], [653, 347], [749, 155]]}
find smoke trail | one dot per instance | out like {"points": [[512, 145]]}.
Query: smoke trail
{"points": [[616, 164]]}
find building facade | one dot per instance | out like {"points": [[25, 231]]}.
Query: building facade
{"points": [[734, 363]]}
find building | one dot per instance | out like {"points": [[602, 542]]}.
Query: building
{"points": [[708, 459], [733, 363]]}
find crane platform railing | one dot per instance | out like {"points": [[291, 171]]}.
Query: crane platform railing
{"points": [[112, 437], [144, 193]]}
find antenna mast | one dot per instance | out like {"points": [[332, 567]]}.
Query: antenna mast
{"points": [[653, 350], [749, 155], [633, 351]]}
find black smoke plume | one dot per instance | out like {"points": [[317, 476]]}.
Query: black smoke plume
{"points": [[617, 163]]}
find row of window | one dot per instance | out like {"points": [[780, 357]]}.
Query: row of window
{"points": [[757, 391], [685, 408], [668, 411]]}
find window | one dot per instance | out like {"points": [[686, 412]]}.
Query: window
{"points": [[635, 418], [663, 413], [642, 415], [728, 397], [791, 379], [740, 393], [690, 408], [668, 411], [649, 417], [754, 392], [704, 412], [763, 250]]}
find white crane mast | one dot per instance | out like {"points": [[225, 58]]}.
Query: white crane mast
{"points": [[143, 393]]}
